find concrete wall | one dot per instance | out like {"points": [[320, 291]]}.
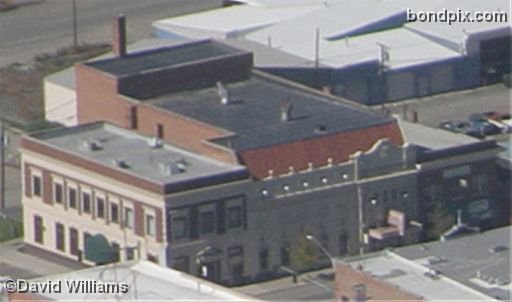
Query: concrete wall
{"points": [[60, 104], [279, 211]]}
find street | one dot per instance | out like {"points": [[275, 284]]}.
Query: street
{"points": [[45, 27]]}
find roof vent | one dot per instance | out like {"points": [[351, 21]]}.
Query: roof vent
{"points": [[286, 110], [156, 143], [173, 168], [320, 129], [121, 163], [223, 93], [94, 145]]}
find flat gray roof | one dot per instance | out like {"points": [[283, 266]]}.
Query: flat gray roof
{"points": [[255, 112], [433, 138], [133, 153], [138, 62], [461, 259], [145, 281]]}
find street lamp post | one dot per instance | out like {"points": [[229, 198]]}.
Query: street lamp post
{"points": [[322, 248], [204, 272]]}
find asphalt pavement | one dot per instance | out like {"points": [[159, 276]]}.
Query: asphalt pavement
{"points": [[48, 25], [456, 105]]}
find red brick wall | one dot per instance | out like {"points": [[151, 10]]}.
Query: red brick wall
{"points": [[97, 98], [376, 290], [183, 132], [317, 151]]}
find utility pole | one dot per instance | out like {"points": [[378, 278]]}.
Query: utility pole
{"points": [[75, 34], [3, 144]]}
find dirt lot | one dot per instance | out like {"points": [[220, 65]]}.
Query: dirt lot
{"points": [[21, 85]]}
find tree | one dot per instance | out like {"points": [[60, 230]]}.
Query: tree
{"points": [[439, 220], [304, 255]]}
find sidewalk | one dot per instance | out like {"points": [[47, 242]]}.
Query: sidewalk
{"points": [[272, 288], [18, 260]]}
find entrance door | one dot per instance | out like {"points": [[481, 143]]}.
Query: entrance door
{"points": [[210, 270]]}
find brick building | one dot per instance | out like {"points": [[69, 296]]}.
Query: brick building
{"points": [[188, 157]]}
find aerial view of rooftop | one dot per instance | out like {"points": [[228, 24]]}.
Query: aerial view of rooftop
{"points": [[255, 150]]}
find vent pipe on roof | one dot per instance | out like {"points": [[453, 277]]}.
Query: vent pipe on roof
{"points": [[119, 36], [223, 93], [286, 110]]}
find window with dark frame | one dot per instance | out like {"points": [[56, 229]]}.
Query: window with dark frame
{"points": [[114, 213], [36, 185], [263, 255], [58, 193], [128, 218], [86, 202], [100, 207], [59, 237], [72, 198], [38, 229], [150, 225], [207, 222], [179, 227], [160, 131], [234, 219], [285, 255]]}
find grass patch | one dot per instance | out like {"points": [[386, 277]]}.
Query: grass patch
{"points": [[21, 85], [10, 229]]}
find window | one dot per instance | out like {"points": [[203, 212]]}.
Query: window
{"points": [[58, 193], [235, 251], [36, 185], [150, 225], [285, 255], [38, 229], [86, 202], [159, 131], [100, 207], [87, 236], [152, 258], [179, 227], [181, 264], [482, 183], [263, 259], [207, 222], [128, 218], [393, 194], [117, 250], [130, 253], [72, 198], [59, 237], [73, 241], [234, 217], [114, 213]]}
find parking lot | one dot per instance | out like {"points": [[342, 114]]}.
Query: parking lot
{"points": [[456, 105]]}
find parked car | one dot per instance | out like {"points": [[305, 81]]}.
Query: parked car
{"points": [[490, 123], [462, 127]]}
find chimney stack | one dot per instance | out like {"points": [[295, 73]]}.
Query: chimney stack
{"points": [[286, 110], [119, 36]]}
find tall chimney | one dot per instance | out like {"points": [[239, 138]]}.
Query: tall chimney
{"points": [[119, 36]]}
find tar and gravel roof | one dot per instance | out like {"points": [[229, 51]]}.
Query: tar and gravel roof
{"points": [[161, 58], [457, 261], [255, 112], [132, 153]]}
